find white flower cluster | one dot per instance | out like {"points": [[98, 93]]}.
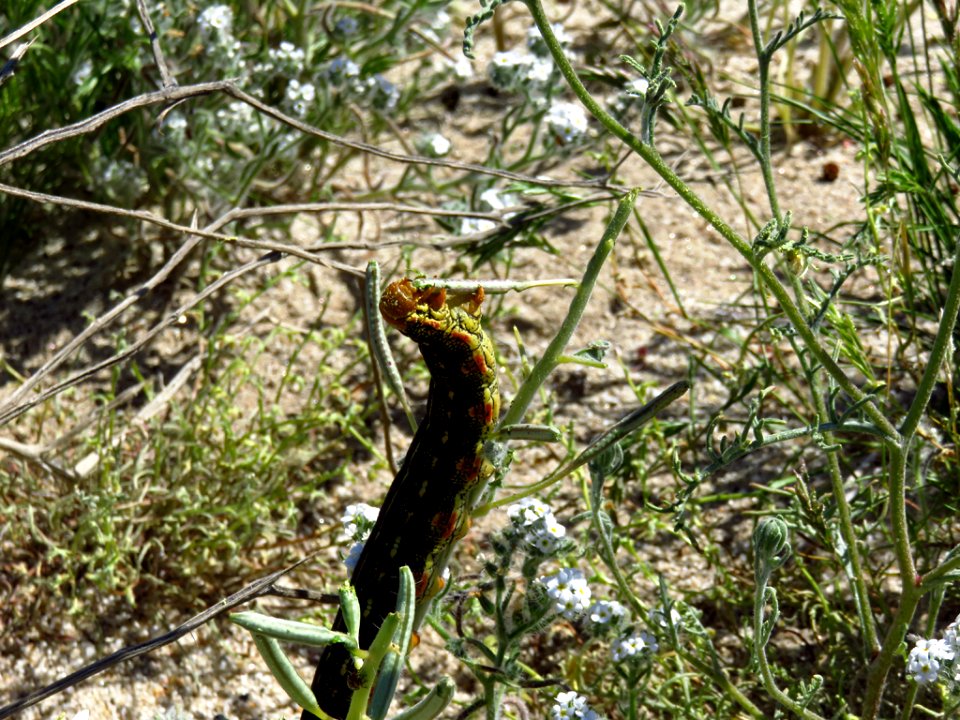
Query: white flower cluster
{"points": [[567, 121], [216, 21], [514, 70], [378, 92], [634, 646], [569, 591], [535, 522], [357, 521], [300, 96], [287, 58], [571, 706], [931, 659], [607, 612], [537, 45], [238, 118], [121, 180], [216, 27]]}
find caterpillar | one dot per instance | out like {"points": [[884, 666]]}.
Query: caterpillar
{"points": [[427, 508]]}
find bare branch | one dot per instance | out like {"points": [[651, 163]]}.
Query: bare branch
{"points": [[141, 342], [176, 94], [20, 32], [10, 67], [243, 213], [165, 77], [94, 122]]}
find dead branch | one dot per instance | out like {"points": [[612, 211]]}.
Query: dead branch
{"points": [[141, 342], [167, 96]]}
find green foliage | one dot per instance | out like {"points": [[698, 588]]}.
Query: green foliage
{"points": [[182, 501], [839, 427]]}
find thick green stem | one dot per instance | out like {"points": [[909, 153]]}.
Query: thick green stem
{"points": [[763, 63], [941, 343], [880, 667], [551, 356]]}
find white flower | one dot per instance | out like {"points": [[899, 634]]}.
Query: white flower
{"points": [[605, 612], [300, 95], [507, 69], [634, 646], [637, 87], [492, 200], [346, 26], [658, 618], [82, 73], [341, 69], [567, 121], [536, 43], [463, 68], [433, 145], [528, 510], [384, 95], [570, 706], [950, 639], [469, 226], [569, 591], [358, 520], [122, 180], [923, 669], [216, 20], [539, 72], [937, 649]]}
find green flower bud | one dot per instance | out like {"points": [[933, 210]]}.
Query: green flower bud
{"points": [[771, 546]]}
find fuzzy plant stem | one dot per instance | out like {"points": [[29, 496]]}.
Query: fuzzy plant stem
{"points": [[767, 276]]}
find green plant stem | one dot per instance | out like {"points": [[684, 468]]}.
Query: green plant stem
{"points": [[766, 674], [877, 673], [941, 343], [551, 356], [935, 577], [656, 162], [763, 65], [858, 582]]}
